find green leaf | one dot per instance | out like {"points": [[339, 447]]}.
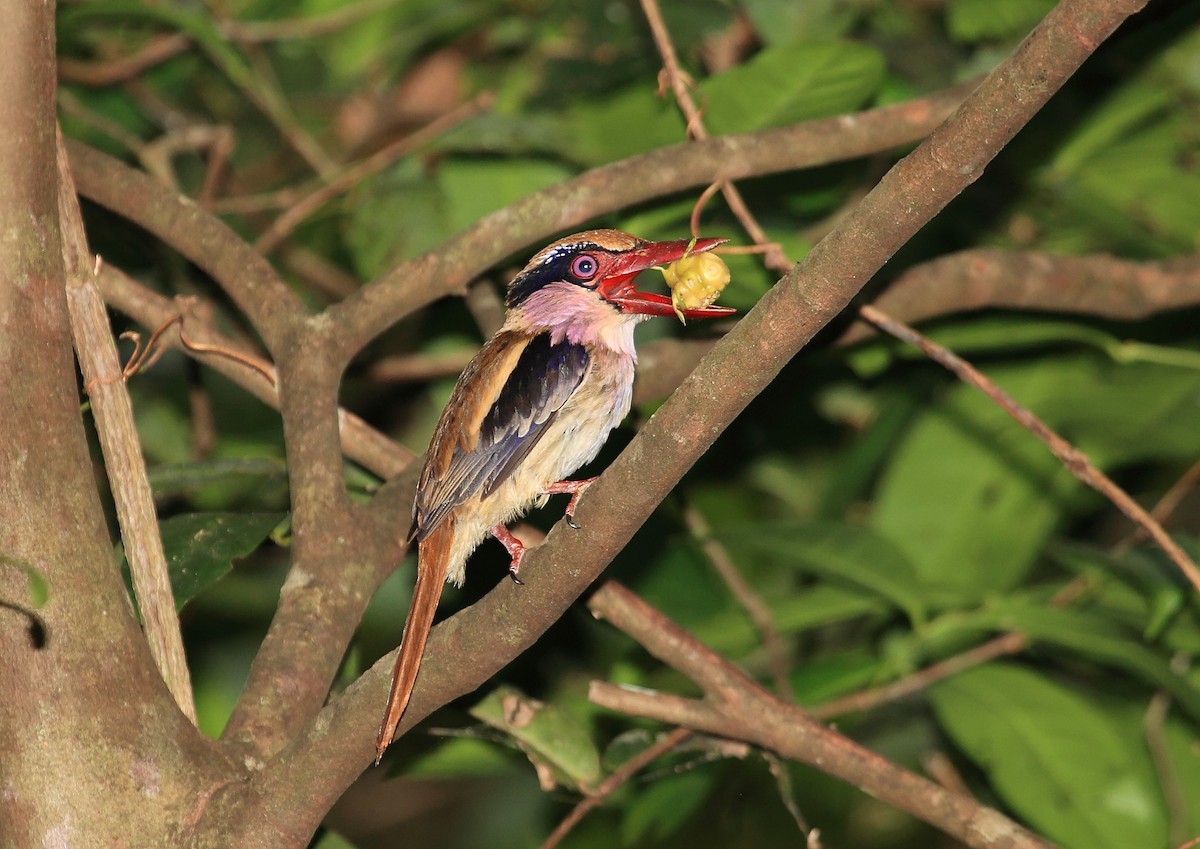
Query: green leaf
{"points": [[632, 121], [820, 680], [977, 20], [1124, 113], [970, 496], [178, 478], [332, 840], [659, 810], [1092, 635], [784, 22], [1120, 413], [1054, 756], [1158, 587], [1141, 178], [472, 188], [555, 742], [496, 132], [626, 746], [836, 552], [1183, 756], [39, 587], [785, 85], [823, 604], [459, 757], [398, 215], [201, 547]]}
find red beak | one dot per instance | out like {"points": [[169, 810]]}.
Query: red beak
{"points": [[617, 288]]}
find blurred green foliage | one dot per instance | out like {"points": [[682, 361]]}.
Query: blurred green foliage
{"points": [[889, 516]]}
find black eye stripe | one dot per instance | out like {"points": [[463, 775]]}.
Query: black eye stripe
{"points": [[556, 266]]}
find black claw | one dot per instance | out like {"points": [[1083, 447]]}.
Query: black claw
{"points": [[571, 522], [515, 579]]}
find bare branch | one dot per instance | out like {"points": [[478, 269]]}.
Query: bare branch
{"points": [[108, 71], [749, 600], [414, 283], [123, 461], [672, 740], [240, 270], [736, 707], [1076, 462], [1097, 285], [348, 177], [360, 441]]}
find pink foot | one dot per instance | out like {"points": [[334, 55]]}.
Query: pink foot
{"points": [[515, 549], [575, 488]]}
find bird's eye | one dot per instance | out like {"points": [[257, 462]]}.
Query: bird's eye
{"points": [[584, 267]]}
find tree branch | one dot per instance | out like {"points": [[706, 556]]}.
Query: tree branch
{"points": [[468, 648], [202, 238], [86, 714], [1098, 285], [736, 707], [414, 283], [1072, 458], [360, 442], [112, 412]]}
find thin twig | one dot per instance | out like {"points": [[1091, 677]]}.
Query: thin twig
{"points": [[347, 178], [77, 109], [330, 22], [112, 412], [944, 773], [1164, 508], [1074, 459], [678, 82], [1170, 500], [991, 278], [417, 368], [157, 156], [744, 594], [1002, 646], [330, 279], [1153, 723], [613, 782], [735, 706], [360, 441], [783, 783], [108, 71]]}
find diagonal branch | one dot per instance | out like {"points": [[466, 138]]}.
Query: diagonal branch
{"points": [[1075, 461], [125, 466], [414, 283], [735, 706], [202, 238], [360, 442], [1098, 285]]}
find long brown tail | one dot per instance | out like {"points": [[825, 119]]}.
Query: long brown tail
{"points": [[433, 559]]}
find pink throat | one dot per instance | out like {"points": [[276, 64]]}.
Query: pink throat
{"points": [[579, 316]]}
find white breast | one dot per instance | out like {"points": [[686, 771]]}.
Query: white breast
{"points": [[574, 439]]}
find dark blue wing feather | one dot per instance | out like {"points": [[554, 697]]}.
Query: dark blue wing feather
{"points": [[545, 377]]}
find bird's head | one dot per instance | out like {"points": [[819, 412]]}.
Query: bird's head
{"points": [[598, 266]]}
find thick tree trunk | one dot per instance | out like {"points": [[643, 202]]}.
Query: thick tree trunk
{"points": [[93, 751]]}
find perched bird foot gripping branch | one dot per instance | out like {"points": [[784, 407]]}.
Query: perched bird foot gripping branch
{"points": [[535, 404]]}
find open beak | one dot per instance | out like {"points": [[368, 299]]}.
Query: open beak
{"points": [[617, 288]]}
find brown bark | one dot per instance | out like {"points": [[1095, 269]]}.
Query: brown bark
{"points": [[92, 747]]}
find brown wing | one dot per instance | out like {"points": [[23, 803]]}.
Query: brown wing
{"points": [[503, 404]]}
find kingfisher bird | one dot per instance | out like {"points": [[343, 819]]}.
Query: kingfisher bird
{"points": [[535, 404]]}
